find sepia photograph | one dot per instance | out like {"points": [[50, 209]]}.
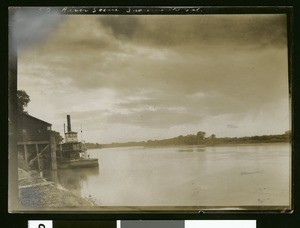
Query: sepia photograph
{"points": [[149, 109]]}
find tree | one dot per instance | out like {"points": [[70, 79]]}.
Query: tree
{"points": [[201, 135], [23, 99]]}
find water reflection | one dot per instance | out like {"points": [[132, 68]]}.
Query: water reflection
{"points": [[186, 150], [191, 149], [71, 179]]}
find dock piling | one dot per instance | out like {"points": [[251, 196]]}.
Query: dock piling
{"points": [[53, 152]]}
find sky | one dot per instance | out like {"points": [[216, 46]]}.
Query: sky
{"points": [[139, 77]]}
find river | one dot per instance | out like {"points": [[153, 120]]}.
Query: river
{"points": [[229, 176]]}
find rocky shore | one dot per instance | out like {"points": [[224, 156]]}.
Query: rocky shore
{"points": [[37, 193]]}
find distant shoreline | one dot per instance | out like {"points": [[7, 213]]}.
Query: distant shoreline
{"points": [[199, 139], [193, 145]]}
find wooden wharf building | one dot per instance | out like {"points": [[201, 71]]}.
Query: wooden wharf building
{"points": [[37, 143]]}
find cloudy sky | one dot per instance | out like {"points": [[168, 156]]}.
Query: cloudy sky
{"points": [[131, 78]]}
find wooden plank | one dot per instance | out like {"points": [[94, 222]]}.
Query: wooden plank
{"points": [[26, 153], [32, 160], [53, 152], [33, 142], [38, 157], [36, 185], [44, 149]]}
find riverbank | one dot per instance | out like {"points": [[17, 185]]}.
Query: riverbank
{"points": [[193, 140], [203, 146], [35, 192]]}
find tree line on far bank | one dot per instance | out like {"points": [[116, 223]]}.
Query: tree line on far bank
{"points": [[199, 139]]}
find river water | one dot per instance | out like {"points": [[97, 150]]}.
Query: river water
{"points": [[229, 176]]}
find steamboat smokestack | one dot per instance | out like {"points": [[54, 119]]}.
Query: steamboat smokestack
{"points": [[69, 123]]}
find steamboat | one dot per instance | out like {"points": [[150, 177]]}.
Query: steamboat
{"points": [[73, 153]]}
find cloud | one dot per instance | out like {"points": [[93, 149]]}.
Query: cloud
{"points": [[123, 27], [165, 30], [158, 118], [94, 54], [158, 72]]}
